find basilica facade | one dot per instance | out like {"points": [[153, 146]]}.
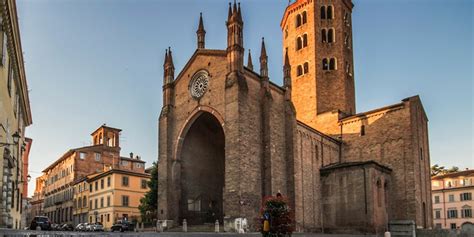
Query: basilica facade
{"points": [[228, 136]]}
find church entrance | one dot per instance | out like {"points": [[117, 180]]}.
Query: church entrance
{"points": [[202, 171]]}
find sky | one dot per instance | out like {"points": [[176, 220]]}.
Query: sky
{"points": [[94, 62]]}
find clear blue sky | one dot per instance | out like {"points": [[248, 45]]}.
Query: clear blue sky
{"points": [[94, 62]]}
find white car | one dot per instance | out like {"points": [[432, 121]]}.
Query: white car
{"points": [[97, 227]]}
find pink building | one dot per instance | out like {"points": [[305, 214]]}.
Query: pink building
{"points": [[452, 199]]}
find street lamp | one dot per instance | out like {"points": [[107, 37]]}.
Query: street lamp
{"points": [[16, 138], [28, 178]]}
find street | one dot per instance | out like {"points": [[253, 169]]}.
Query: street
{"points": [[11, 233]]}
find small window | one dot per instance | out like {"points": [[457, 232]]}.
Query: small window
{"points": [[466, 212], [299, 70], [362, 130], [125, 201], [298, 20], [124, 163], [452, 213], [330, 12], [108, 181], [108, 201], [138, 165], [331, 38], [299, 43], [465, 196], [453, 226], [325, 64], [96, 185], [82, 155], [451, 198], [125, 181], [90, 187], [436, 199], [324, 36], [332, 64], [305, 40], [102, 184], [323, 12], [90, 204], [144, 183], [437, 214], [84, 202], [304, 16], [96, 204], [97, 156], [305, 67]]}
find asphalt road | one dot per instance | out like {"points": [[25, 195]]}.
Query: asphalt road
{"points": [[34, 233]]}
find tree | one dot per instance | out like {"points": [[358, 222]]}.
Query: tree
{"points": [[441, 170], [149, 203]]}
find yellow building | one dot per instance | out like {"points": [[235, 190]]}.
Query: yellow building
{"points": [[15, 115], [452, 199], [115, 194], [81, 201]]}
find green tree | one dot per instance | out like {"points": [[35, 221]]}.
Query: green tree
{"points": [[149, 203], [441, 170]]}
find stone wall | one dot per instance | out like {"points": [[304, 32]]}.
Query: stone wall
{"points": [[313, 151], [395, 136], [354, 197]]}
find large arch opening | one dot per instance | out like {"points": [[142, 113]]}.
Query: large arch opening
{"points": [[202, 171]]}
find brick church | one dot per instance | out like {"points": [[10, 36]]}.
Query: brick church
{"points": [[228, 136]]}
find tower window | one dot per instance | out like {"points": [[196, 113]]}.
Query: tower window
{"points": [[362, 130], [304, 16], [332, 64], [325, 64], [298, 20], [305, 40], [329, 64], [299, 43], [331, 36], [305, 67], [299, 70], [323, 12], [330, 12], [324, 37]]}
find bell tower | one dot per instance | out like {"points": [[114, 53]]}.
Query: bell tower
{"points": [[317, 34]]}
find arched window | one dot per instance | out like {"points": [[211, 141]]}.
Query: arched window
{"points": [[305, 67], [330, 12], [299, 43], [323, 12], [299, 70], [304, 15], [325, 64], [305, 40], [332, 64], [298, 20], [331, 38], [324, 37]]}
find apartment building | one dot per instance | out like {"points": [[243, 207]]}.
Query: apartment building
{"points": [[15, 116], [115, 195], [62, 176], [452, 199]]}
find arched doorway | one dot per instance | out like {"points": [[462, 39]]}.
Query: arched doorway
{"points": [[202, 158]]}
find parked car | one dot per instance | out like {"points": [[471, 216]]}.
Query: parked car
{"points": [[55, 226], [97, 227], [122, 226], [89, 227], [80, 227], [41, 221], [66, 227]]}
